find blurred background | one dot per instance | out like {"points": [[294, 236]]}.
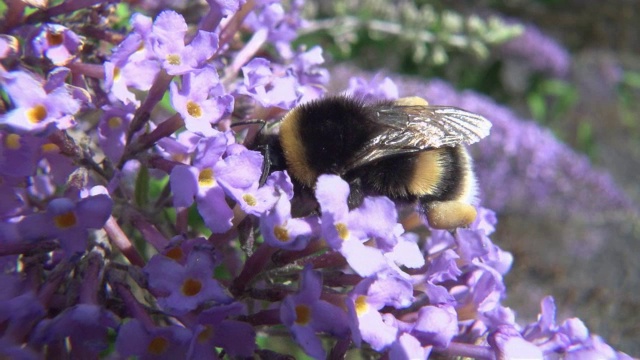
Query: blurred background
{"points": [[560, 79]]}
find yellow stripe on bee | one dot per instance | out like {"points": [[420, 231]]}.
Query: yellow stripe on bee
{"points": [[294, 151], [469, 187], [427, 173]]}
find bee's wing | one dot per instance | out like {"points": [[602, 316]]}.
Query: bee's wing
{"points": [[416, 128]]}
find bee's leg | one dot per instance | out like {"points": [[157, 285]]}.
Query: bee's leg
{"points": [[356, 195], [449, 215], [266, 163]]}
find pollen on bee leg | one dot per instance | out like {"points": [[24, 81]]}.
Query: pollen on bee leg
{"points": [[412, 101], [450, 214]]}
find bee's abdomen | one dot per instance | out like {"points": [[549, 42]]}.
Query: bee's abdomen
{"points": [[443, 174]]}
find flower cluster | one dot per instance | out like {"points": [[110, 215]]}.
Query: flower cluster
{"points": [[538, 51], [138, 226]]}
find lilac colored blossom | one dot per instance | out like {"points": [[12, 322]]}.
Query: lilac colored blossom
{"points": [[255, 199], [136, 339], [132, 63], [168, 44], [347, 231], [85, 325], [184, 287], [311, 77], [18, 154], [226, 7], [8, 47], [179, 148], [306, 67], [204, 181], [406, 252], [13, 199], [509, 344], [35, 109], [18, 312], [444, 267], [201, 101], [281, 230], [386, 288], [305, 314], [436, 325], [281, 25], [374, 89], [65, 220], [538, 51], [268, 87], [217, 329], [112, 128], [14, 350], [371, 327], [408, 347], [54, 164], [58, 43]]}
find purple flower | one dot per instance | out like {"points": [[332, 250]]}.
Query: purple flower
{"points": [[18, 313], [216, 329], [18, 154], [35, 108], [281, 230], [54, 164], [444, 267], [386, 288], [371, 327], [86, 327], [406, 252], [168, 342], [112, 129], [436, 325], [538, 51], [305, 314], [13, 200], [255, 199], [277, 225], [268, 87], [201, 101], [132, 63], [226, 7], [346, 231], [282, 26], [57, 43], [179, 148], [375, 89], [12, 349], [205, 180], [67, 221], [168, 44], [9, 46], [509, 344], [408, 347], [183, 287]]}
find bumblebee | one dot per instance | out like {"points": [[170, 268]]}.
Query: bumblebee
{"points": [[406, 150]]}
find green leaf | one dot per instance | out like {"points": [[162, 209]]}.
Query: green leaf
{"points": [[141, 193], [537, 106]]}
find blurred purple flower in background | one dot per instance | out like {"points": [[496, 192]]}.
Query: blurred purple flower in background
{"points": [[538, 51]]}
